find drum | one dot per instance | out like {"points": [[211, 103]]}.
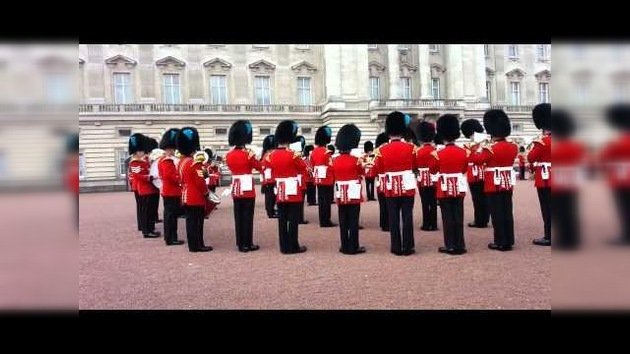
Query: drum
{"points": [[211, 203], [157, 182]]}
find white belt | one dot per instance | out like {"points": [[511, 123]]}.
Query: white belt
{"points": [[286, 179], [423, 169], [497, 178], [398, 173], [499, 169], [542, 164], [346, 183], [247, 185], [471, 164], [462, 185], [242, 176]]}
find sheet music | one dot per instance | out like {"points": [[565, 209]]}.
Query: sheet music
{"points": [[479, 137]]}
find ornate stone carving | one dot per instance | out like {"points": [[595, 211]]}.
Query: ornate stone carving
{"points": [[376, 68], [544, 75], [437, 70], [262, 66], [304, 67], [406, 70], [170, 61], [120, 59], [217, 64], [515, 74], [490, 72]]}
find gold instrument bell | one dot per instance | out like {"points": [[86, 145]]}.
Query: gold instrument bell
{"points": [[201, 156]]}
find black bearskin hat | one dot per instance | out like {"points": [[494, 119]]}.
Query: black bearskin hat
{"points": [[396, 124], [151, 144], [618, 116], [348, 138], [438, 139], [240, 133], [169, 139], [72, 144], [521, 149], [137, 143], [302, 141], [562, 123], [470, 127], [286, 132], [188, 141], [542, 116], [323, 135], [210, 153], [368, 146], [307, 150], [381, 139], [425, 131], [269, 143], [497, 123], [331, 148], [448, 127]]}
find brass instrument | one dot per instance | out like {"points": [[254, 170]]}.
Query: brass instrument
{"points": [[201, 156]]}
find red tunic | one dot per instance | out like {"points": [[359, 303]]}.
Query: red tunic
{"points": [[213, 175], [451, 163], [474, 171], [320, 158], [194, 189], [395, 159], [500, 155], [423, 162], [169, 176], [72, 175], [616, 160], [285, 166], [568, 157], [267, 178], [347, 169], [241, 162], [139, 171], [540, 158], [369, 170]]}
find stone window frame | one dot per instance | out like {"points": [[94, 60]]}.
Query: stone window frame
{"points": [[263, 67], [304, 69], [217, 66], [376, 69], [170, 65]]}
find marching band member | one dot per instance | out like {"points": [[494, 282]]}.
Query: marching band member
{"points": [[499, 177], [568, 158], [171, 190], [475, 174], [139, 170], [426, 183], [303, 177], [71, 170], [213, 171], [268, 184], [383, 218], [540, 157], [154, 199], [616, 157], [311, 189], [370, 172], [321, 161], [397, 160], [241, 161], [134, 153], [347, 170], [451, 163], [285, 166], [521, 163], [194, 188]]}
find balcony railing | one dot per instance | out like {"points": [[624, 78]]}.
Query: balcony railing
{"points": [[199, 108], [514, 108], [428, 103]]}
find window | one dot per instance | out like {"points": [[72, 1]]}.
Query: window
{"points": [[373, 46], [171, 88], [375, 88], [124, 132], [121, 163], [488, 90], [517, 127], [486, 50], [513, 51], [405, 87], [218, 89], [262, 90], [435, 88], [220, 131], [304, 91], [123, 91], [265, 131], [303, 46], [543, 92], [58, 88], [81, 165], [515, 93], [306, 131], [542, 52], [434, 48]]}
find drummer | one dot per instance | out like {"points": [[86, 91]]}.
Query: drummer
{"points": [[170, 188]]}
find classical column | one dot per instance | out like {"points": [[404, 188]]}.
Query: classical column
{"points": [[332, 60], [480, 71], [394, 71], [424, 68], [454, 72]]}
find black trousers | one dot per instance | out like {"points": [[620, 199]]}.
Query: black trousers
{"points": [[349, 227], [383, 214], [429, 207], [622, 199], [311, 193], [212, 189], [397, 207], [288, 221], [544, 198], [270, 199], [244, 221], [147, 218], [480, 204], [453, 222], [565, 219], [369, 187], [324, 199], [155, 204], [502, 217], [194, 227], [522, 173], [138, 210], [172, 211]]}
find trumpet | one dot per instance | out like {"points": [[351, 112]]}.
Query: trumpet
{"points": [[201, 156]]}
